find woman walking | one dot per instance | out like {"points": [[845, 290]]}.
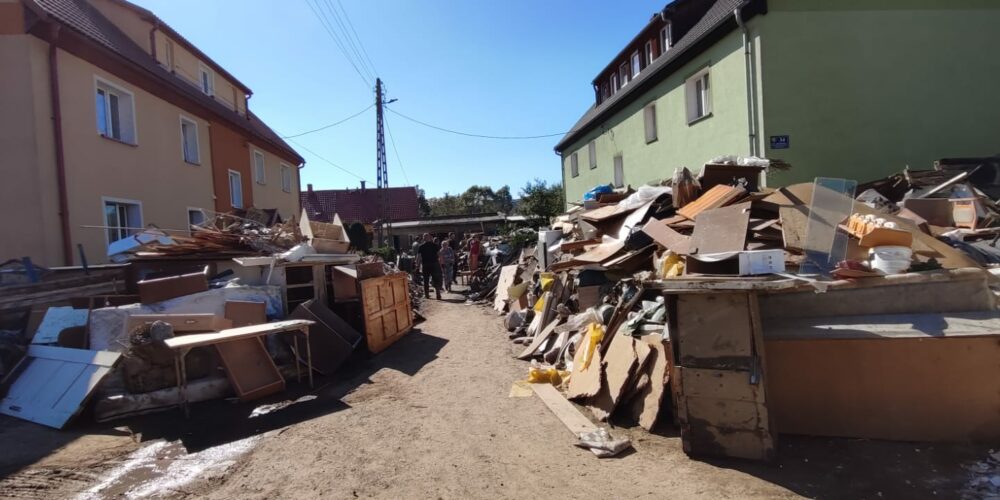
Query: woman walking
{"points": [[447, 259]]}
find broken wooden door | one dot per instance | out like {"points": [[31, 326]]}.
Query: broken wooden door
{"points": [[718, 382], [386, 302]]}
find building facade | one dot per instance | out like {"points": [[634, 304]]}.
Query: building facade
{"points": [[855, 89], [113, 122]]}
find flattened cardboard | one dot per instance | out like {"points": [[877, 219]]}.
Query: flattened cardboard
{"points": [[667, 237], [793, 226], [585, 383], [625, 357], [721, 230]]}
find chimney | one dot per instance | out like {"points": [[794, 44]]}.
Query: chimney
{"points": [[362, 185], [309, 187]]}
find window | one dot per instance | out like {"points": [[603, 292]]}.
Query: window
{"points": [[619, 172], [699, 96], [189, 141], [623, 74], [649, 119], [115, 113], [286, 178], [666, 38], [235, 189], [258, 167], [636, 64], [122, 218], [592, 152], [614, 83], [206, 80], [648, 53], [605, 93], [574, 165], [168, 56], [196, 217]]}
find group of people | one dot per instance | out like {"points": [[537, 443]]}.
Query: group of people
{"points": [[439, 259]]}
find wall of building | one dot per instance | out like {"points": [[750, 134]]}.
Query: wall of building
{"points": [[270, 194], [28, 192], [864, 88], [152, 172], [679, 144], [186, 66], [230, 151]]}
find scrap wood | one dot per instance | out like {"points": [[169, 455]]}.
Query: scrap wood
{"points": [[646, 405], [584, 382], [625, 357], [539, 339], [573, 246], [721, 230], [507, 276], [667, 237], [605, 213], [601, 252], [575, 421], [719, 196]]}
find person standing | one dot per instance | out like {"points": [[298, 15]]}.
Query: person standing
{"points": [[456, 247], [447, 260], [429, 263], [474, 248]]}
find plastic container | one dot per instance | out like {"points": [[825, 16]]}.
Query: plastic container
{"points": [[890, 259]]}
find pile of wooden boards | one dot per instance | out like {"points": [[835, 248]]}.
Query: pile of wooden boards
{"points": [[225, 236]]}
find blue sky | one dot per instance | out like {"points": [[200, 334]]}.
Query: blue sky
{"points": [[515, 67]]}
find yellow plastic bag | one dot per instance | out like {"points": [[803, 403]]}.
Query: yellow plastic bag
{"points": [[673, 266], [546, 375], [595, 332], [546, 280]]}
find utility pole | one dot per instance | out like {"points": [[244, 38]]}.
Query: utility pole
{"points": [[382, 172]]}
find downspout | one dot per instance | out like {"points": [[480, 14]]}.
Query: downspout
{"points": [[750, 78], [67, 244]]}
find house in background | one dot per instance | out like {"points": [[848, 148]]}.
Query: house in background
{"points": [[359, 205], [853, 89], [113, 121]]}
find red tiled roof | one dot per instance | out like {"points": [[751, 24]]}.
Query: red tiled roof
{"points": [[84, 18], [360, 205]]}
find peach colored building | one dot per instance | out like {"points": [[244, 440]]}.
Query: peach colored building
{"points": [[112, 122]]}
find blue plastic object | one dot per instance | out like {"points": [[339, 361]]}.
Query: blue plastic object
{"points": [[597, 191]]}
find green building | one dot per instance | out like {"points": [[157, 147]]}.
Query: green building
{"points": [[837, 88]]}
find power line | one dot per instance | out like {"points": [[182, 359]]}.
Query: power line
{"points": [[327, 26], [398, 159], [469, 134], [356, 37], [334, 124], [317, 155], [347, 37]]}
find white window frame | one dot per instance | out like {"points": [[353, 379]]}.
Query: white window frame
{"points": [[232, 198], [168, 54], [698, 94], [204, 216], [648, 52], [619, 171], [623, 76], [649, 122], [592, 153], [202, 71], [574, 165], [635, 64], [197, 141], [104, 221], [286, 178], [119, 91], [666, 36], [259, 176]]}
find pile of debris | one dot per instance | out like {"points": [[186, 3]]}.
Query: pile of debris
{"points": [[658, 301]]}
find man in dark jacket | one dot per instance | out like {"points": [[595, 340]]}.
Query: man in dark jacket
{"points": [[428, 251]]}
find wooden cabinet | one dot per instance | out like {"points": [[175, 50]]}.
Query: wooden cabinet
{"points": [[386, 303]]}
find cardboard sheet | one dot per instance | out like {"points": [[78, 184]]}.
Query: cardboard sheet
{"points": [[667, 237], [721, 230]]}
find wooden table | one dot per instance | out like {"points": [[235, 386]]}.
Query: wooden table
{"points": [[183, 344]]}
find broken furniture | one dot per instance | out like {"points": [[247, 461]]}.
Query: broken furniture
{"points": [[160, 289], [53, 383], [183, 344], [332, 340], [249, 366]]}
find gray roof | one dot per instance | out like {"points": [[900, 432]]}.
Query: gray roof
{"points": [[719, 15]]}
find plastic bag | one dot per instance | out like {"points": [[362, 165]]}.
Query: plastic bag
{"points": [[597, 191]]}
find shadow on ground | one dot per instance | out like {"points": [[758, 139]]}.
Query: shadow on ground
{"points": [[218, 422]]}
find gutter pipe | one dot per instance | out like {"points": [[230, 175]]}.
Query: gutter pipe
{"points": [[751, 78], [67, 244]]}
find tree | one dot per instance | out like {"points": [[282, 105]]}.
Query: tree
{"points": [[539, 200], [423, 207], [358, 236], [503, 200]]}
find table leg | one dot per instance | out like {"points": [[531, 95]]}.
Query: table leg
{"points": [[309, 356], [295, 342]]}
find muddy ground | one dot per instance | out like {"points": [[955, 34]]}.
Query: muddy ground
{"points": [[431, 418]]}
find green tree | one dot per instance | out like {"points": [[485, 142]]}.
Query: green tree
{"points": [[542, 201], [504, 201], [423, 206]]}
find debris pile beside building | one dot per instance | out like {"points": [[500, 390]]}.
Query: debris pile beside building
{"points": [[738, 313], [236, 308]]}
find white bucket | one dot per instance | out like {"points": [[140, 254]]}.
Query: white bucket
{"points": [[891, 259]]}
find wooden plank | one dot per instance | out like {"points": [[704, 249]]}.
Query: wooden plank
{"points": [[585, 382], [250, 369], [539, 339], [573, 246], [181, 323], [652, 397], [793, 226], [716, 197], [575, 421], [886, 326], [388, 314], [57, 319], [507, 276], [600, 253], [721, 230], [720, 384], [200, 339], [625, 357], [667, 237], [713, 330]]}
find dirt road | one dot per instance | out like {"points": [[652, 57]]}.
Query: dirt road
{"points": [[431, 418]]}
